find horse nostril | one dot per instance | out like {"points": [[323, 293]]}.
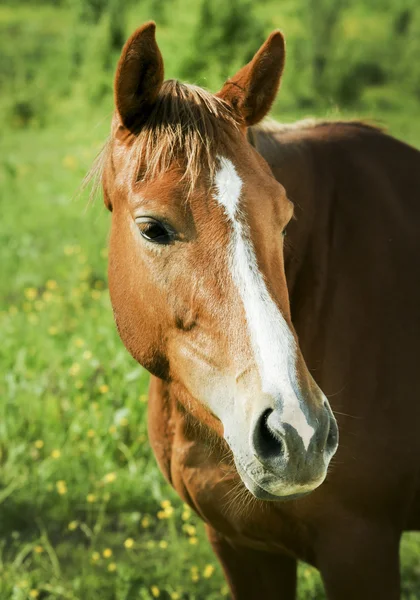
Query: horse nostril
{"points": [[266, 443], [332, 438]]}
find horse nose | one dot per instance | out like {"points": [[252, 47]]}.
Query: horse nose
{"points": [[279, 447]]}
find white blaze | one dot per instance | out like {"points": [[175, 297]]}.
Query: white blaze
{"points": [[272, 341]]}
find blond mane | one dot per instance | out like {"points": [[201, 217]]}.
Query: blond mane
{"points": [[187, 125]]}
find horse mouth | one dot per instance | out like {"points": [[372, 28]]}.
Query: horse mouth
{"points": [[260, 493]]}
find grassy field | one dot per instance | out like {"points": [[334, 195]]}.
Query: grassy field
{"points": [[84, 512]]}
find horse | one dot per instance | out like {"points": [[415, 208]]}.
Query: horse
{"points": [[241, 326]]}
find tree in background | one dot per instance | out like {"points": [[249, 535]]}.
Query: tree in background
{"points": [[226, 37]]}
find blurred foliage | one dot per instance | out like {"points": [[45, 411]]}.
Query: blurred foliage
{"points": [[85, 513], [354, 55]]}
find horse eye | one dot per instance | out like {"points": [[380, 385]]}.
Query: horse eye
{"points": [[284, 232], [154, 231]]}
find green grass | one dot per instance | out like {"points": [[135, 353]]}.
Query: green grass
{"points": [[85, 513]]}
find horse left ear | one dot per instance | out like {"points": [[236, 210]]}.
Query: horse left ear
{"points": [[252, 91], [139, 76]]}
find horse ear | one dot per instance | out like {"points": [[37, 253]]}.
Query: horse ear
{"points": [[253, 89], [139, 76]]}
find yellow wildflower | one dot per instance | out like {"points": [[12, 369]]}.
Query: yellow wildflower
{"points": [[51, 284], [186, 513], [47, 296], [39, 444], [124, 422], [145, 522], [155, 591], [56, 453], [53, 330], [74, 369], [112, 429], [175, 596], [38, 549], [87, 355], [103, 388], [143, 398], [91, 433], [79, 343], [112, 567], [189, 529], [110, 477], [107, 553], [73, 525], [193, 540], [31, 293], [33, 594], [208, 571], [95, 556], [61, 487], [163, 544], [129, 543], [91, 498], [95, 294]]}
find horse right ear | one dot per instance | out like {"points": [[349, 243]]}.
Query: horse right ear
{"points": [[139, 77]]}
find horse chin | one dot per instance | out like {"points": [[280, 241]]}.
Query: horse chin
{"points": [[262, 494]]}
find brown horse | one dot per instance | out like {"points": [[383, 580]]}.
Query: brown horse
{"points": [[221, 310]]}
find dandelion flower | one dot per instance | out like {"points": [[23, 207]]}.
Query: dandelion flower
{"points": [[112, 567], [87, 355], [208, 571], [145, 522], [163, 544], [74, 369], [51, 284], [95, 556], [91, 433], [112, 429], [73, 525], [79, 343], [129, 543], [33, 594], [189, 529], [107, 553], [53, 330], [56, 453], [193, 540], [91, 498], [38, 549], [61, 487], [31, 293], [110, 477], [103, 388], [175, 596], [155, 591], [39, 444]]}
